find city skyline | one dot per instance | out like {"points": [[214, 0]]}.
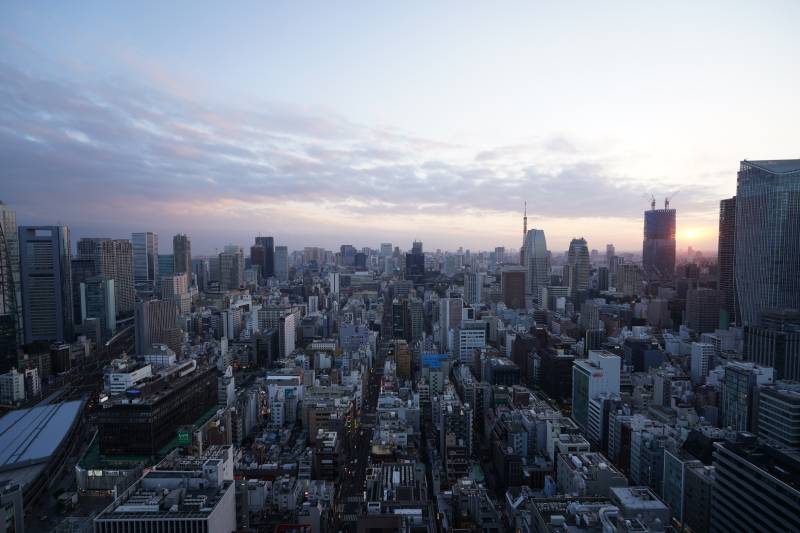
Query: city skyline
{"points": [[322, 122]]}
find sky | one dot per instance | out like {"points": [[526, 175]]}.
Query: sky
{"points": [[324, 123]]}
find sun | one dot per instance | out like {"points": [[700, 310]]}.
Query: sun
{"points": [[691, 233]]}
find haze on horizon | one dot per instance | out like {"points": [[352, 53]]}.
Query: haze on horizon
{"points": [[358, 123]]}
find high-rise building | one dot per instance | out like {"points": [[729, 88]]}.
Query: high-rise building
{"points": [[114, 259], [537, 262], [779, 414], [628, 279], [470, 336], [755, 489], [145, 257], [701, 360], [174, 288], [610, 253], [46, 283], [282, 263], [97, 301], [182, 256], [726, 260], [415, 263], [449, 320], [268, 265], [658, 248], [740, 384], [775, 342], [386, 249], [201, 267], [402, 357], [767, 250], [702, 310], [11, 330], [156, 322], [578, 261], [598, 374], [512, 283], [473, 287], [231, 268]]}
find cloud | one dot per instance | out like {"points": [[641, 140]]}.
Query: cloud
{"points": [[119, 151]]}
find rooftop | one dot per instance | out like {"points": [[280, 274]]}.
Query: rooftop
{"points": [[32, 435], [776, 166]]}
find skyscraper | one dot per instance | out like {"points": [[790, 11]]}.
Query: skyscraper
{"points": [[46, 283], [415, 263], [231, 268], [145, 257], [156, 322], [113, 258], [658, 249], [268, 267], [11, 331], [512, 282], [282, 263], [726, 258], [578, 261], [767, 251], [537, 262], [182, 256], [473, 287], [97, 301]]}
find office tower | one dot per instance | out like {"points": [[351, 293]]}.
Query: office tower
{"points": [[598, 374], [701, 359], [473, 286], [779, 414], [166, 266], [537, 262], [767, 250], [282, 263], [347, 255], [145, 257], [726, 259], [11, 330], [257, 258], [512, 283], [416, 313], [610, 253], [10, 283], [658, 248], [182, 256], [578, 262], [449, 320], [603, 279], [97, 301], [82, 270], [200, 267], [470, 336], [114, 259], [755, 488], [46, 283], [268, 266], [156, 322], [415, 263], [499, 255], [231, 268], [402, 357], [333, 282], [386, 249], [628, 279], [174, 288], [775, 342], [739, 388], [702, 310], [523, 253]]}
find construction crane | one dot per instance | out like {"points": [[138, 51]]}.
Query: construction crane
{"points": [[668, 198]]}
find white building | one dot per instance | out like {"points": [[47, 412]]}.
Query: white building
{"points": [[12, 387], [126, 376], [702, 355], [471, 336], [598, 374]]}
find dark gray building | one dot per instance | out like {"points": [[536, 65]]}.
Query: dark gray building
{"points": [[46, 280], [757, 487], [658, 248], [726, 259], [767, 266]]}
